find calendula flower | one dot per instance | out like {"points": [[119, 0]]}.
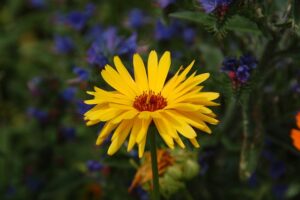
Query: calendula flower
{"points": [[174, 105], [295, 133]]}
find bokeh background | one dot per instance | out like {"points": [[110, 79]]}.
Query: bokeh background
{"points": [[52, 51]]}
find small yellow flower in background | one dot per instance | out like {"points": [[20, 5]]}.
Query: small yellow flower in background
{"points": [[175, 106]]}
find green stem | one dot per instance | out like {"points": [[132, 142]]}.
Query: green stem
{"points": [[244, 158], [154, 166]]}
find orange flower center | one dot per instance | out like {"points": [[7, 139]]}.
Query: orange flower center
{"points": [[149, 101]]}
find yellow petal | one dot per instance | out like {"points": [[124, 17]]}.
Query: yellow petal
{"points": [[142, 147], [119, 136], [195, 142], [126, 115], [163, 69], [125, 74], [167, 138], [104, 133], [140, 75], [143, 131], [113, 79], [137, 126], [152, 70]]}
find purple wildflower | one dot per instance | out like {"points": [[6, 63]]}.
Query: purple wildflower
{"points": [[136, 18], [165, 3], [164, 32], [189, 35], [68, 94], [82, 107], [243, 73], [211, 5], [76, 20], [37, 3], [63, 44], [82, 74], [93, 165]]}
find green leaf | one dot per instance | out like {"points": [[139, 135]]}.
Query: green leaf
{"points": [[198, 17], [242, 24], [296, 11]]}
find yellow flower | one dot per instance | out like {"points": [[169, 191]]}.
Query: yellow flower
{"points": [[175, 106]]}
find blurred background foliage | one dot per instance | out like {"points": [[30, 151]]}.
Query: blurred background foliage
{"points": [[52, 51]]}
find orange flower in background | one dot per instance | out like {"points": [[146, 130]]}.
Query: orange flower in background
{"points": [[295, 133], [144, 173]]}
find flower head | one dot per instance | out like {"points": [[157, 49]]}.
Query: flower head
{"points": [[174, 105], [295, 133], [239, 70], [211, 5]]}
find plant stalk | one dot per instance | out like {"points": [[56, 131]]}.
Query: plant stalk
{"points": [[154, 166]]}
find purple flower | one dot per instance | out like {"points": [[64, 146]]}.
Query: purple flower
{"points": [[37, 113], [89, 9], [164, 32], [210, 5], [76, 20], [136, 18], [248, 60], [95, 56], [243, 73], [82, 107], [38, 3], [63, 44], [68, 94], [82, 74], [110, 43], [143, 195], [165, 3], [93, 165], [128, 46], [189, 35], [94, 32], [229, 64]]}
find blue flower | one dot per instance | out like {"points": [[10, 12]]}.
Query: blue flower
{"points": [[82, 107], [38, 3], [189, 35], [82, 74], [93, 165], [37, 113], [243, 73], [252, 181], [93, 33], [95, 56], [68, 94], [248, 60], [136, 18], [210, 5], [164, 32], [76, 20], [230, 64], [143, 195], [63, 44], [128, 46], [89, 9], [110, 43], [165, 3]]}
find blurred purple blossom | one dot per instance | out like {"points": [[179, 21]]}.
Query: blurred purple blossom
{"points": [[211, 5], [82, 73], [63, 44], [38, 114], [94, 165], [76, 20], [82, 107], [189, 35], [166, 32], [68, 94], [136, 18], [38, 3], [165, 3]]}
